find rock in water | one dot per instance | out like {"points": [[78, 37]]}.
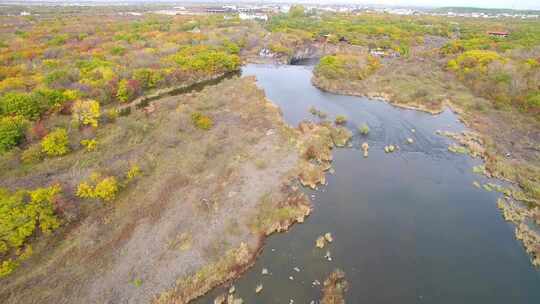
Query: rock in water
{"points": [[410, 140], [220, 299], [264, 271], [258, 288], [328, 256], [328, 237], [320, 242], [365, 147]]}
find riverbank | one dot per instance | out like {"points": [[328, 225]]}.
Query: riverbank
{"points": [[505, 139], [202, 195]]}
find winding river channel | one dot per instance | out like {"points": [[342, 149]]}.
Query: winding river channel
{"points": [[408, 226]]}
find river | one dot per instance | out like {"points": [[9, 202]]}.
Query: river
{"points": [[408, 226]]}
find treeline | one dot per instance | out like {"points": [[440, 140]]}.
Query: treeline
{"points": [[505, 70], [370, 30]]}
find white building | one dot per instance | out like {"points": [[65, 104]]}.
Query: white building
{"points": [[253, 16]]}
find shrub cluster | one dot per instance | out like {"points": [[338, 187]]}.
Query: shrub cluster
{"points": [[90, 145], [132, 173], [21, 214], [205, 59], [127, 90], [364, 129], [21, 104], [201, 121], [86, 112], [55, 143], [11, 131], [347, 66], [32, 105], [340, 120], [99, 187]]}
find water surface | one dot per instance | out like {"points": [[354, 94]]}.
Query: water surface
{"points": [[408, 227]]}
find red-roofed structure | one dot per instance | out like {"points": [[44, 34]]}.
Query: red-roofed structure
{"points": [[498, 34]]}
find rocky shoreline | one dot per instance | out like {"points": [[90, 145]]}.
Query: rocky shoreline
{"points": [[314, 143], [325, 85]]}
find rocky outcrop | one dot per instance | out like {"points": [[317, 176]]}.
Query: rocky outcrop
{"points": [[316, 143]]}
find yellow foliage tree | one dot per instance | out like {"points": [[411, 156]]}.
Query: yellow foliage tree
{"points": [[133, 172], [86, 112], [90, 144], [99, 188], [55, 143]]}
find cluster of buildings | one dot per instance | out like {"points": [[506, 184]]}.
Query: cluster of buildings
{"points": [[262, 11], [487, 15], [245, 12]]}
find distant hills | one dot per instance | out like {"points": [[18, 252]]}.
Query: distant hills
{"points": [[468, 10]]}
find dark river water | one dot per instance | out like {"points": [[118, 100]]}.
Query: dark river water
{"points": [[408, 227]]}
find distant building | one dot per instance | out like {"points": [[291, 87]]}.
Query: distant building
{"points": [[500, 34], [253, 16], [167, 12], [266, 53], [217, 10]]}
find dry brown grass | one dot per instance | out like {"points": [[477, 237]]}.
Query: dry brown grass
{"points": [[107, 246]]}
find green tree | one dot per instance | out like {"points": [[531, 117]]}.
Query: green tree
{"points": [[123, 93], [297, 11], [23, 104], [147, 78], [99, 187], [55, 143], [21, 214], [86, 112], [11, 131]]}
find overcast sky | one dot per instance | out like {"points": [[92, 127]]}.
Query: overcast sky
{"points": [[516, 4]]}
